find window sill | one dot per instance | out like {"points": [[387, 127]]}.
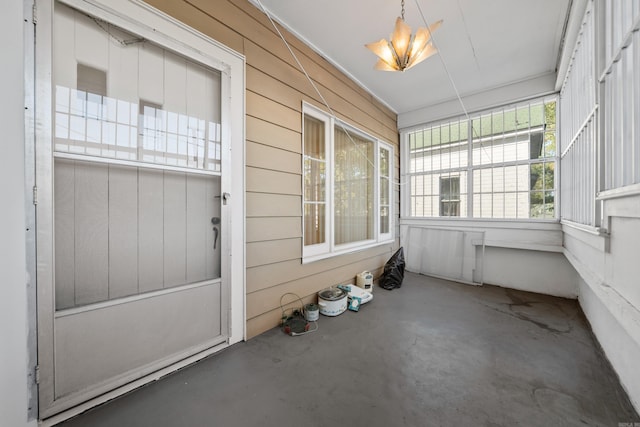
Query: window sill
{"points": [[616, 193], [520, 224], [346, 251], [597, 238]]}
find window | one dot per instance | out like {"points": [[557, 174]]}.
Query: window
{"points": [[385, 192], [315, 182], [347, 187], [498, 164], [353, 187]]}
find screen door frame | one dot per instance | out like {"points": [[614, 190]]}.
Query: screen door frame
{"points": [[157, 27]]}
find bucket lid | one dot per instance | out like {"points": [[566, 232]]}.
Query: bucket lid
{"points": [[332, 294]]}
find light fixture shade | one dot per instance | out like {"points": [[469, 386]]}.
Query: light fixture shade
{"points": [[401, 40], [422, 37], [384, 52], [383, 66], [403, 51], [425, 53]]}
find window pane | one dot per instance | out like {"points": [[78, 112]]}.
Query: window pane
{"points": [[498, 180], [384, 162], [549, 144], [537, 204], [549, 204], [537, 115], [314, 180], [536, 177], [549, 176], [498, 205], [550, 115], [536, 148], [314, 138], [384, 219], [510, 205], [450, 196], [353, 187], [510, 178], [384, 196], [509, 120], [384, 191], [486, 207], [522, 117], [314, 223]]}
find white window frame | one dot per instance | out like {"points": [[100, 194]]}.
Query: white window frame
{"points": [[384, 237], [324, 247], [329, 248]]}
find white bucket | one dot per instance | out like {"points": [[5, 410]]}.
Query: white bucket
{"points": [[311, 312]]}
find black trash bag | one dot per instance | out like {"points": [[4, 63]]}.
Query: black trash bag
{"points": [[393, 271]]}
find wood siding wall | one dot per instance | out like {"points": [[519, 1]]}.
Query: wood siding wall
{"points": [[275, 89]]}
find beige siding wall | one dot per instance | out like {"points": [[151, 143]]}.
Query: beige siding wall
{"points": [[275, 91]]}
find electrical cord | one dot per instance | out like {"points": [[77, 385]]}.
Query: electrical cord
{"points": [[297, 318]]}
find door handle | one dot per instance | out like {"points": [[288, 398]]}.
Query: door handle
{"points": [[215, 221]]}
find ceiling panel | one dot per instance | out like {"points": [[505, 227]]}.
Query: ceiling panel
{"points": [[482, 44]]}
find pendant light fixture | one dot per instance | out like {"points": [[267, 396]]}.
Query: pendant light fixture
{"points": [[404, 51]]}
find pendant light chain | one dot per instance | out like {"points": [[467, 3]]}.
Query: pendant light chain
{"points": [[402, 3]]}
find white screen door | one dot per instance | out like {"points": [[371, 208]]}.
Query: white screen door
{"points": [[137, 222]]}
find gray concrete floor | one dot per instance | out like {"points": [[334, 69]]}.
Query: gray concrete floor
{"points": [[432, 353]]}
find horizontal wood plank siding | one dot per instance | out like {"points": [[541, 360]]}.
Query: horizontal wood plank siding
{"points": [[275, 90], [273, 228], [211, 25], [271, 134], [262, 301], [270, 275], [269, 110], [269, 252], [275, 182], [268, 205], [266, 157]]}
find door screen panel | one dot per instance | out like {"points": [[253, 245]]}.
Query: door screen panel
{"points": [[123, 230], [123, 103]]}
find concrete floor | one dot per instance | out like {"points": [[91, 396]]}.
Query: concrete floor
{"points": [[432, 353]]}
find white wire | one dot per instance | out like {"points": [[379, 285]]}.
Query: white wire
{"points": [[444, 64], [324, 101], [453, 83]]}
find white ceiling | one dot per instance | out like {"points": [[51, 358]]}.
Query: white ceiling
{"points": [[484, 44]]}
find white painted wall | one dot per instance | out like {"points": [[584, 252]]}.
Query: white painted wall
{"points": [[530, 270], [525, 255], [604, 253], [13, 295], [610, 286]]}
